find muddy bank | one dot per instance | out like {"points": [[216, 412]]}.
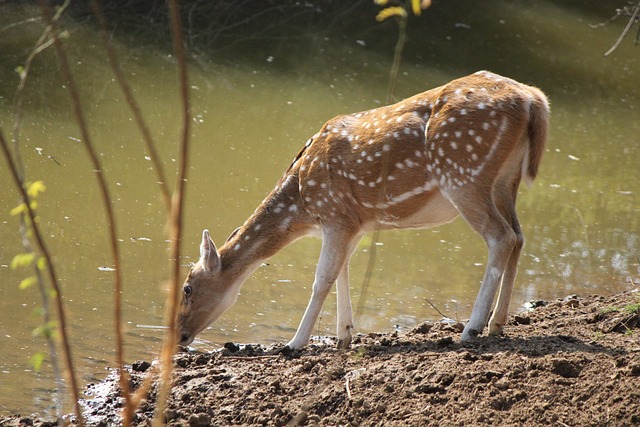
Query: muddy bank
{"points": [[573, 362]]}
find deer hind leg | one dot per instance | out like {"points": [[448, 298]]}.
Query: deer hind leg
{"points": [[485, 218], [332, 264], [345, 312], [506, 199]]}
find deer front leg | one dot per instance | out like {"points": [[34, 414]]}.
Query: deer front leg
{"points": [[333, 257]]}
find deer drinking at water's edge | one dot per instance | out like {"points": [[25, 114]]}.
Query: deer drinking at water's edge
{"points": [[461, 148]]}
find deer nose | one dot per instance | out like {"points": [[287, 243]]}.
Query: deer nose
{"points": [[184, 338]]}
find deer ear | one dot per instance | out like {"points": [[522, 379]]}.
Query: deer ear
{"points": [[233, 234], [208, 253]]}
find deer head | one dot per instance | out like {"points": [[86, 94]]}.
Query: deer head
{"points": [[206, 292]]}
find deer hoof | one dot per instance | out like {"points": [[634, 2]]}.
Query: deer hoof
{"points": [[285, 351], [470, 334], [495, 330], [344, 343]]}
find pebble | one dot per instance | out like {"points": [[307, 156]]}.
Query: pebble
{"points": [[502, 384], [300, 418], [140, 366], [199, 420]]}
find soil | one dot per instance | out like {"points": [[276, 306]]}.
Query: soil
{"points": [[570, 362]]}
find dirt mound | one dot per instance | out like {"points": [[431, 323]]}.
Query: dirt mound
{"points": [[572, 362]]}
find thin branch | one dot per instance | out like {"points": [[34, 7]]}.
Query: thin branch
{"points": [[393, 77], [170, 342], [626, 30], [17, 24], [133, 104], [41, 44], [42, 248], [102, 183], [436, 309], [397, 56]]}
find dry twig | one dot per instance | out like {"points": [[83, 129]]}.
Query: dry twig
{"points": [[170, 341], [133, 104]]}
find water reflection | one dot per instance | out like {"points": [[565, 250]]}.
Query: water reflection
{"points": [[250, 117]]}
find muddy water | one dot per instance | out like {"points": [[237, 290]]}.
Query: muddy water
{"points": [[581, 217]]}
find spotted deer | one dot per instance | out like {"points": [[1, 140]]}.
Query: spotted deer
{"points": [[461, 148]]}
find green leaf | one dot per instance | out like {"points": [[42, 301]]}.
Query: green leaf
{"points": [[45, 330], [27, 283], [36, 360], [632, 308], [42, 263], [22, 260]]}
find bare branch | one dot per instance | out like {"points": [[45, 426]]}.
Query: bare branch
{"points": [[65, 69], [133, 104], [626, 30], [170, 342]]}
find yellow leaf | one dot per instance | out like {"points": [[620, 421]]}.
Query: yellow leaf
{"points": [[26, 283], [22, 260], [381, 2], [35, 188], [416, 7], [21, 208], [391, 11], [42, 263]]}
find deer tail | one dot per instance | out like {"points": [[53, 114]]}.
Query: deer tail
{"points": [[537, 131]]}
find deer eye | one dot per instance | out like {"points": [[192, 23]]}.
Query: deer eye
{"points": [[187, 290]]}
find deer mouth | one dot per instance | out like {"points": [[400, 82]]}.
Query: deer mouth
{"points": [[185, 339]]}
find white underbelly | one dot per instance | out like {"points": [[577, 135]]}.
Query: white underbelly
{"points": [[438, 210]]}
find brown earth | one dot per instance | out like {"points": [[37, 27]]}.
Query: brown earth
{"points": [[571, 362]]}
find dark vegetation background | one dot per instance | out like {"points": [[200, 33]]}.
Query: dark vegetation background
{"points": [[233, 27]]}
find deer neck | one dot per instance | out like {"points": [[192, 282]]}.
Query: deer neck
{"points": [[279, 220]]}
